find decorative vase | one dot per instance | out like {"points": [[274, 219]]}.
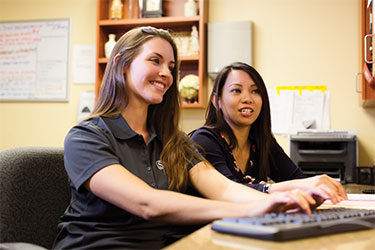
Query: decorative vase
{"points": [[116, 9], [140, 8], [190, 8], [108, 46], [130, 9], [194, 41]]}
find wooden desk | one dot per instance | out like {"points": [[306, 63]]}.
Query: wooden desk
{"points": [[356, 188], [205, 238]]}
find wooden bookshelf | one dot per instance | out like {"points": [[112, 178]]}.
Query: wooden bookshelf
{"points": [[173, 19]]}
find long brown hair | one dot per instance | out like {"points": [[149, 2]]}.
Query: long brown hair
{"points": [[260, 130], [177, 149]]}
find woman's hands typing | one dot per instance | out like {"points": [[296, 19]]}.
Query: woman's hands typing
{"points": [[323, 187], [279, 202], [320, 188]]}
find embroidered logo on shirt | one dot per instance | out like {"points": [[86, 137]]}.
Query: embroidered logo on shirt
{"points": [[159, 165]]}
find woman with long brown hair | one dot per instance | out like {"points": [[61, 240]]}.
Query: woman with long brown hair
{"points": [[129, 164]]}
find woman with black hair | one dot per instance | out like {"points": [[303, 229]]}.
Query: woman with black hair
{"points": [[237, 139]]}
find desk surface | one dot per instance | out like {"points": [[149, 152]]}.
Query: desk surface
{"points": [[205, 238]]}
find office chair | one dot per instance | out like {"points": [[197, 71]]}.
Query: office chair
{"points": [[34, 194]]}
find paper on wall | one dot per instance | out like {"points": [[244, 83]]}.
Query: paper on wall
{"points": [[326, 122], [85, 104], [307, 111], [281, 110], [299, 109], [83, 64]]}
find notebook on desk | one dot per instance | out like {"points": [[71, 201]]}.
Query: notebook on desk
{"points": [[354, 201], [283, 226]]}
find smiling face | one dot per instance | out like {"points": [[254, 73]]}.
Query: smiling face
{"points": [[149, 75], [240, 100]]}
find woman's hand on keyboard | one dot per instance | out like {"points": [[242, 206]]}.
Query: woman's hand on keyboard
{"points": [[296, 200], [322, 187]]}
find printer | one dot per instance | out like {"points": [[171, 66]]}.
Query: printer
{"points": [[330, 152]]}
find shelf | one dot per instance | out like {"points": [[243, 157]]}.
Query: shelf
{"points": [[188, 58], [191, 105], [161, 22], [104, 60]]}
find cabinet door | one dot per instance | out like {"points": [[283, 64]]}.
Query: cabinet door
{"points": [[367, 56]]}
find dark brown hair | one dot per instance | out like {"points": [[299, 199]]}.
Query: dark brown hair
{"points": [[164, 117], [260, 131]]}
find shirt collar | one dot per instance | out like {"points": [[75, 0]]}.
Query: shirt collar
{"points": [[121, 129]]}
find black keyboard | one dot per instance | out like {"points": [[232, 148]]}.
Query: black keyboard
{"points": [[289, 226]]}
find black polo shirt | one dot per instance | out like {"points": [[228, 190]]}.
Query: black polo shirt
{"points": [[90, 222]]}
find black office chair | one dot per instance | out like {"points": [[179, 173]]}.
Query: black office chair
{"points": [[34, 194]]}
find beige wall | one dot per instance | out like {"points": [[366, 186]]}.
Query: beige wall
{"points": [[46, 123], [296, 42]]}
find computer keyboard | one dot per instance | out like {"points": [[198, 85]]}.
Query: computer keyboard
{"points": [[288, 226]]}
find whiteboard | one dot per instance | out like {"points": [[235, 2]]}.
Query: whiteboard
{"points": [[34, 58]]}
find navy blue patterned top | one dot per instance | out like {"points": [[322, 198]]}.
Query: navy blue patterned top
{"points": [[217, 152]]}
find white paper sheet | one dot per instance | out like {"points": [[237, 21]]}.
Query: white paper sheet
{"points": [[292, 111], [361, 197], [281, 110], [326, 120], [83, 64], [85, 104], [307, 109]]}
